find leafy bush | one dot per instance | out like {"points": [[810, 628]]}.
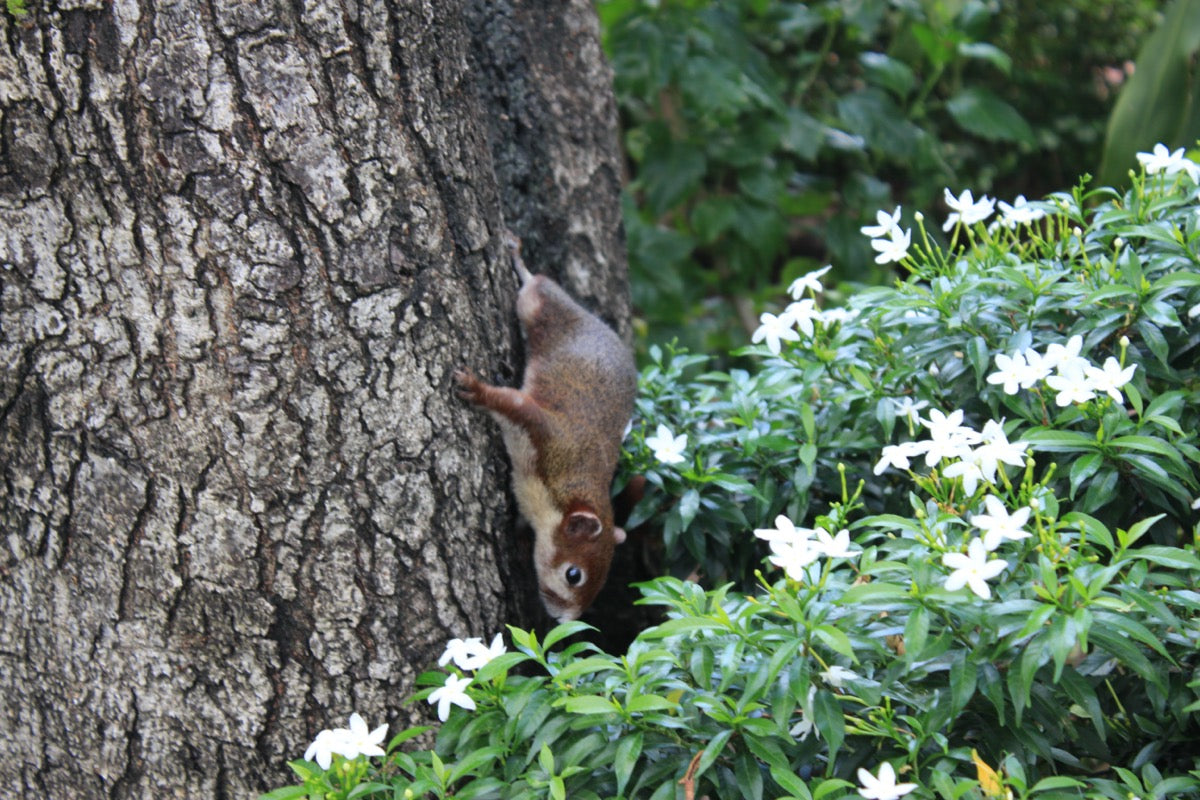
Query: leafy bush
{"points": [[762, 134], [1119, 281], [997, 596]]}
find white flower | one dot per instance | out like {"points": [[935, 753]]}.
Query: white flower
{"points": [[667, 447], [1019, 213], [968, 470], [803, 728], [908, 408], [835, 676], [346, 742], [998, 525], [784, 531], [1036, 369], [832, 546], [1110, 378], [471, 654], [1168, 163], [458, 650], [453, 692], [898, 455], [810, 281], [1010, 372], [966, 209], [793, 556], [325, 746], [948, 426], [894, 248], [972, 569], [831, 315], [949, 438], [485, 655], [1072, 384], [885, 224], [883, 787], [363, 742], [997, 449], [774, 329], [1059, 357], [802, 313]]}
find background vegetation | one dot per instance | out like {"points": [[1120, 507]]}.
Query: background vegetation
{"points": [[762, 134]]}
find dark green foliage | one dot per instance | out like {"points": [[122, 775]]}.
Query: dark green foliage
{"points": [[1160, 102], [762, 134]]}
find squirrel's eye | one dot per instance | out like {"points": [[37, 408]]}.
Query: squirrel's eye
{"points": [[574, 576]]}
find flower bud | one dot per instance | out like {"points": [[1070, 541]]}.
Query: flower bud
{"points": [[1124, 342]]}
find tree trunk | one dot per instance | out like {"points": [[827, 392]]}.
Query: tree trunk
{"points": [[243, 245]]}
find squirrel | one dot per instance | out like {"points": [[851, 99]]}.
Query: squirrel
{"points": [[563, 430]]}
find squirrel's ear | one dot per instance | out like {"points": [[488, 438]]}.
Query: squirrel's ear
{"points": [[619, 535], [583, 524]]}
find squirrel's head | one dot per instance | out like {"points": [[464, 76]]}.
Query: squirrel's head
{"points": [[572, 567]]}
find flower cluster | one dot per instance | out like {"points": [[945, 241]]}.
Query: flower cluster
{"points": [[794, 549], [1169, 163], [887, 238], [467, 654], [348, 743], [975, 455], [800, 317], [1074, 378]]}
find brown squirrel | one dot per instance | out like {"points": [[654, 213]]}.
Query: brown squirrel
{"points": [[563, 430]]}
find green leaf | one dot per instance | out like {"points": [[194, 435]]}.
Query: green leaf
{"points": [[1084, 467], [984, 114], [916, 631], [628, 751], [1056, 782], [712, 751], [962, 684], [563, 630], [285, 793], [589, 704], [364, 789], [836, 640], [546, 759], [586, 666], [1049, 440], [1172, 557], [689, 504], [895, 76], [987, 52], [749, 777], [406, 734], [639, 704], [790, 782], [829, 720]]}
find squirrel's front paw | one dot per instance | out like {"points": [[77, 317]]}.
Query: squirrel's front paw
{"points": [[469, 386]]}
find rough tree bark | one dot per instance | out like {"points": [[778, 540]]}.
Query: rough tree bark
{"points": [[243, 245]]}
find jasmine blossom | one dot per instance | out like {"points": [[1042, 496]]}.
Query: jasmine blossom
{"points": [[667, 447], [883, 786], [972, 569], [774, 329]]}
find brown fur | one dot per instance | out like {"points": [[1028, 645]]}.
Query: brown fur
{"points": [[563, 430]]}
